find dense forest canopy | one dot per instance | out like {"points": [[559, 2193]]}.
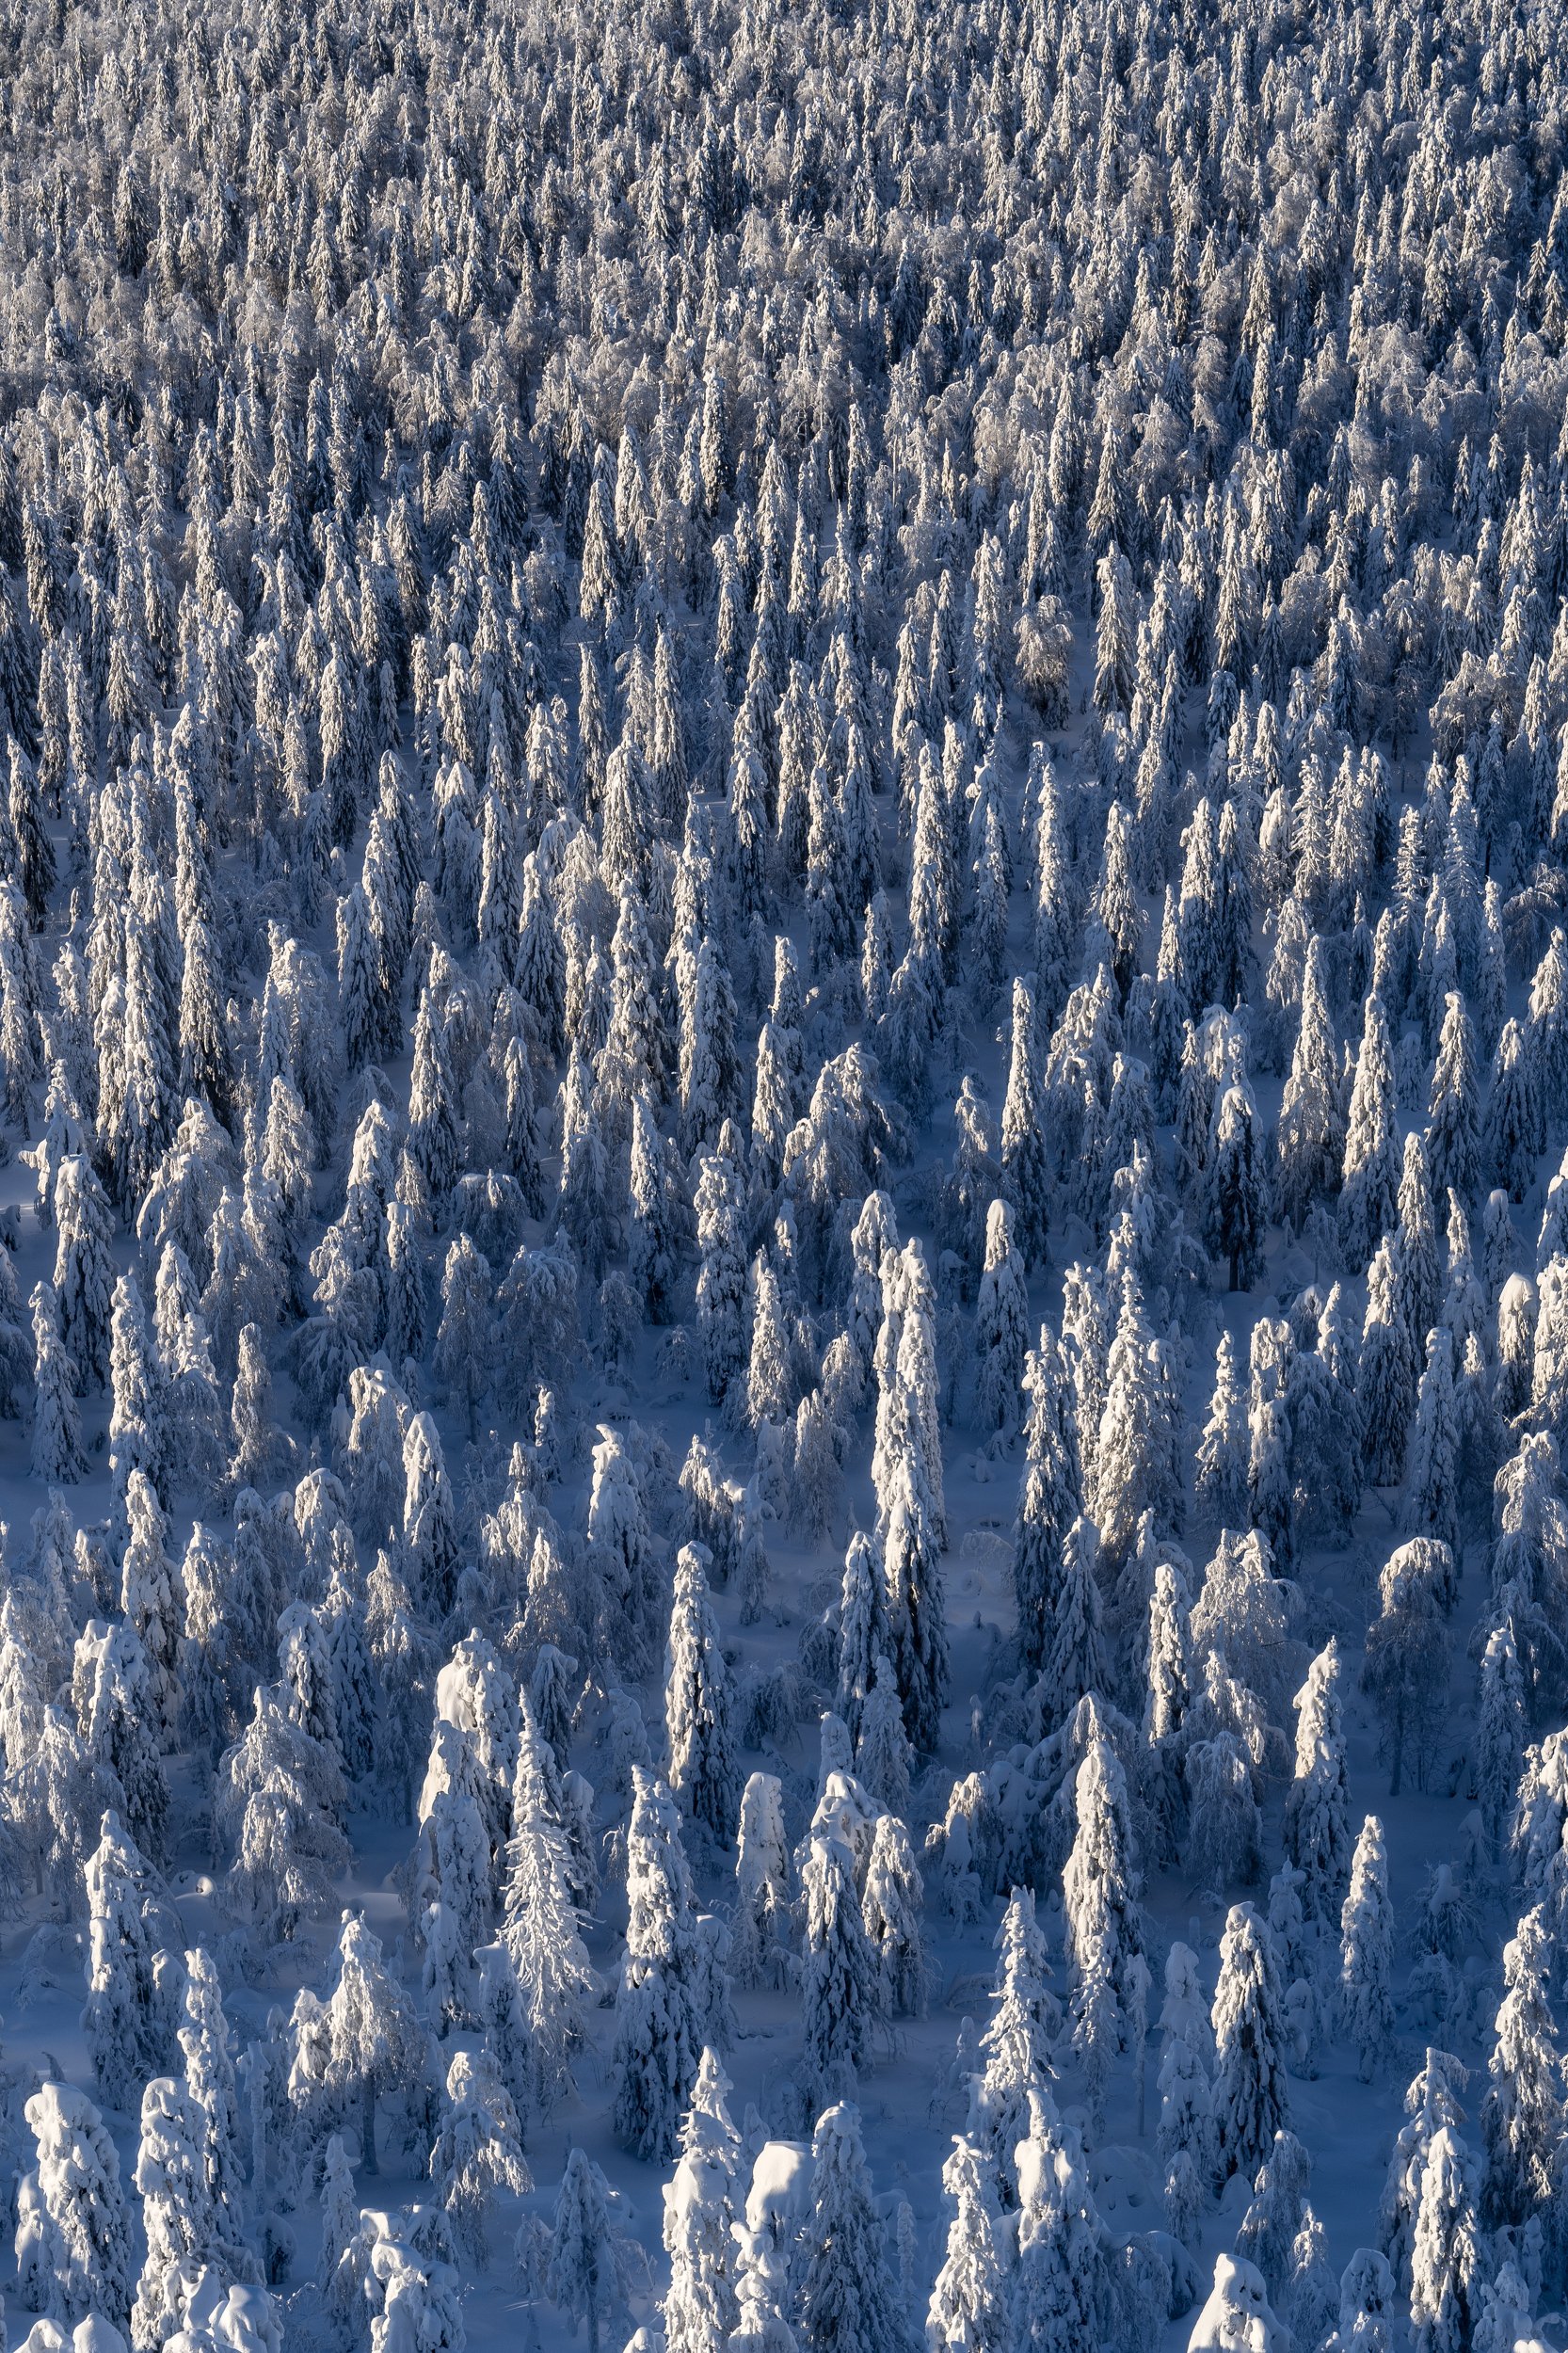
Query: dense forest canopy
{"points": [[784, 1086]]}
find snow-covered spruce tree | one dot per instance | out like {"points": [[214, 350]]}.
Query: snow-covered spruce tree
{"points": [[863, 1636], [1024, 1167], [700, 2310], [204, 2039], [1368, 1198], [1220, 1481], [762, 2297], [85, 2254], [370, 2042], [1500, 1720], [1405, 1672], [890, 1907], [84, 1267], [1000, 1326], [911, 1549], [1233, 1207], [721, 1283], [477, 2152], [1238, 2312], [1049, 1496], [839, 1972], [658, 2029], [848, 2300], [1367, 1952], [56, 1457], [1104, 1933], [1445, 2255], [1310, 1142], [541, 1925], [884, 1761], [699, 1705], [1521, 2116], [1057, 2284], [1251, 2098], [177, 2212], [586, 2267], [760, 1946], [1015, 2045], [125, 2020], [1317, 1804], [968, 2311], [1075, 1661], [1431, 1499]]}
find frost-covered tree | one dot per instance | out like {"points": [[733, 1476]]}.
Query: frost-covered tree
{"points": [[370, 2042], [761, 1946], [1250, 2098], [1104, 1933], [1445, 2250], [840, 1971], [84, 2251], [890, 1908], [586, 2266], [1367, 1952], [478, 2151], [541, 1924], [1220, 1482], [1056, 2286], [657, 2023], [127, 2019], [848, 2300], [1521, 2116], [700, 2312], [1000, 1326], [1369, 1194], [1317, 1804], [699, 1705], [1049, 1497], [968, 2312], [57, 1458]]}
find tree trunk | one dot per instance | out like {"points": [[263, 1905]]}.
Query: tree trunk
{"points": [[367, 2125]]}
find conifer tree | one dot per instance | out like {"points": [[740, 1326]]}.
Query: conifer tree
{"points": [[839, 1973], [657, 2023], [586, 2268], [698, 1704], [1367, 1951], [370, 2041], [477, 2152], [1368, 1201], [84, 1268], [1317, 1814], [57, 1458], [761, 1943], [1049, 1497], [1251, 2099], [1023, 1131], [1453, 1116], [848, 2302], [968, 2312], [125, 2019], [1001, 1327], [1105, 1935], [1233, 1209], [700, 2310], [1445, 2254], [1057, 2284], [1521, 2116], [1310, 1142], [85, 2227], [541, 1930]]}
